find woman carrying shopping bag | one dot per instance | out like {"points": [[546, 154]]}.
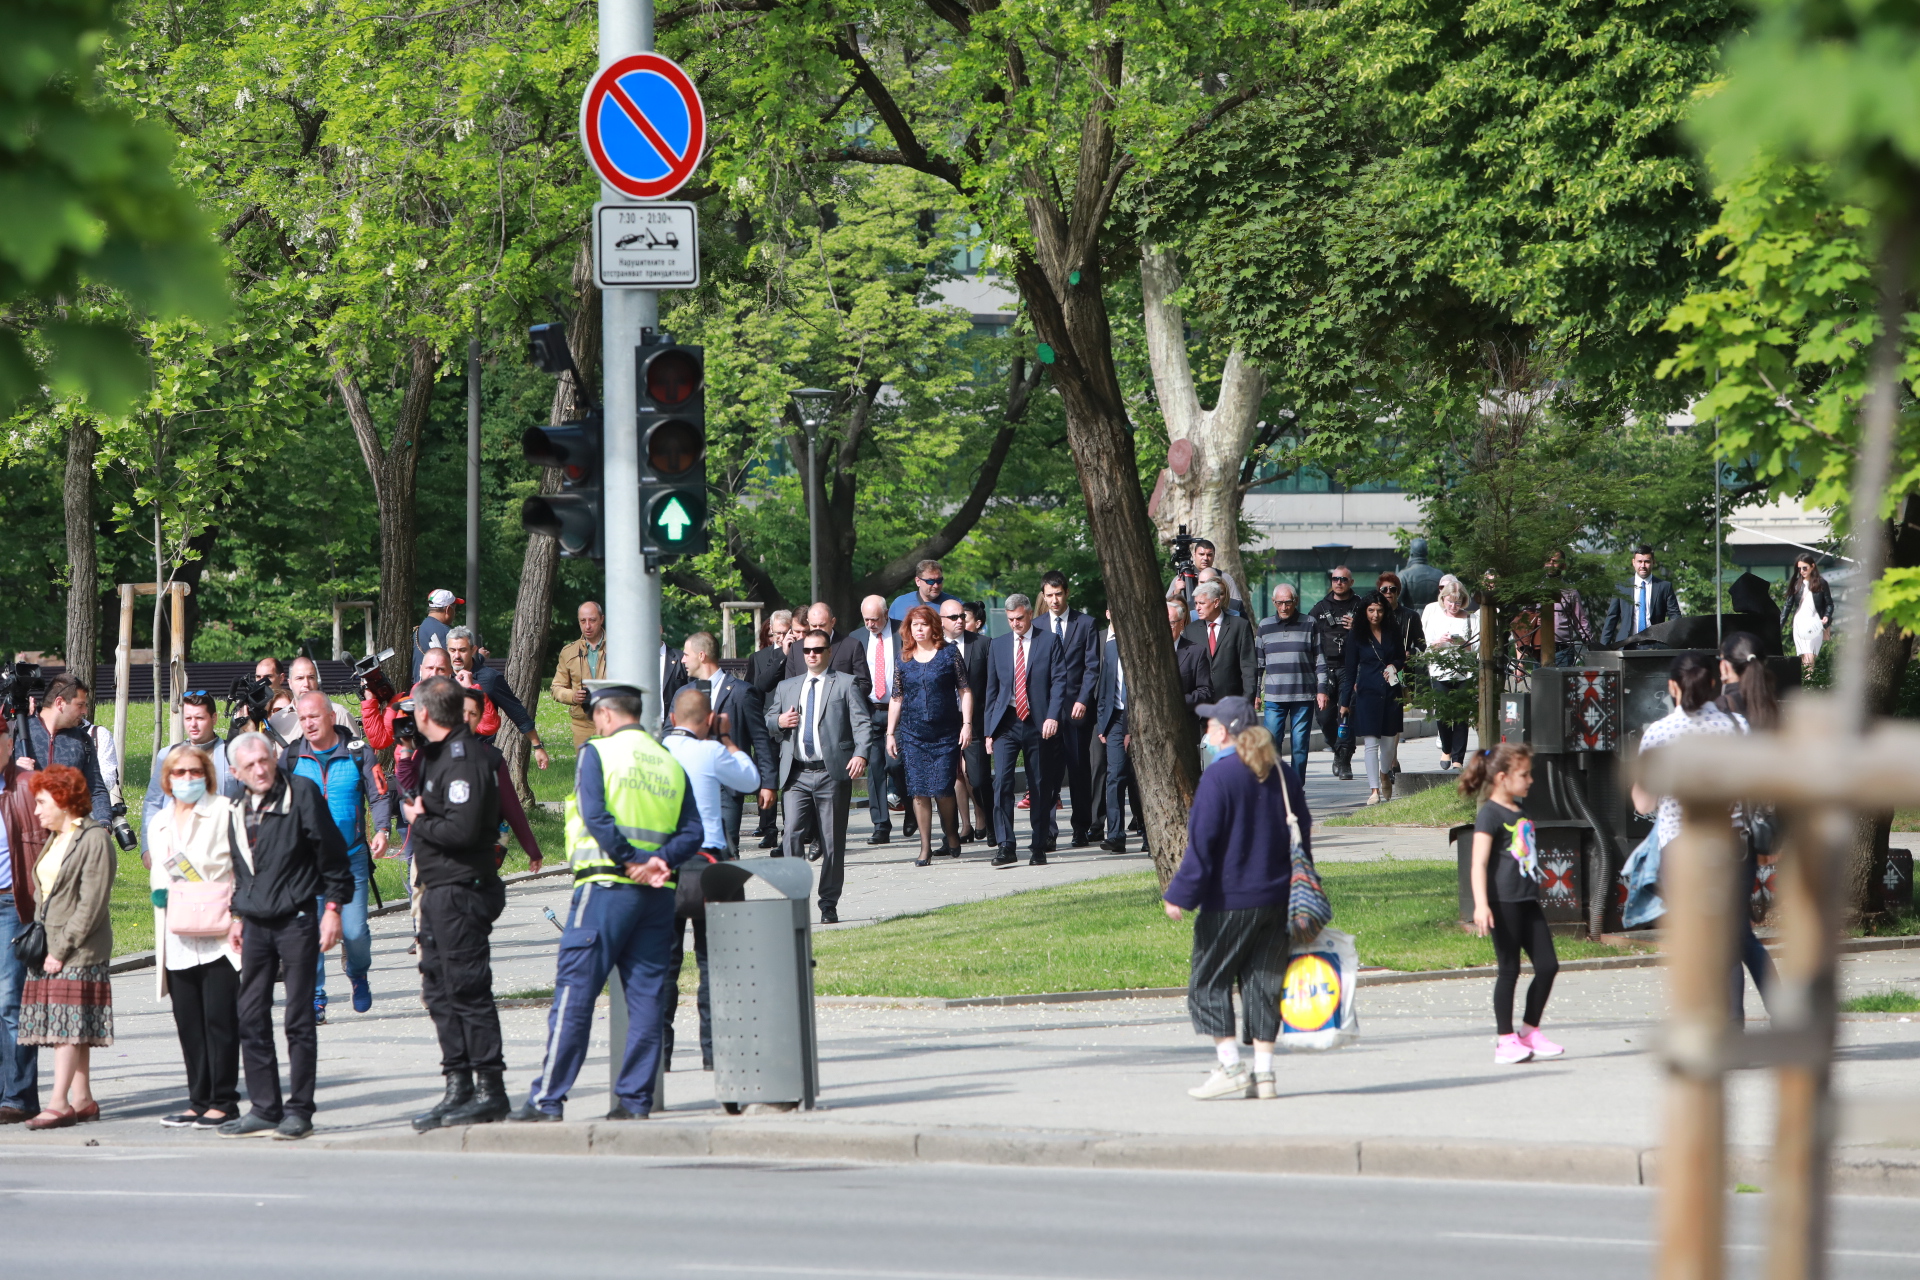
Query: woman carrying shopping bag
{"points": [[1238, 874]]}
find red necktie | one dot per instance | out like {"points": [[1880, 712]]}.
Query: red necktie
{"points": [[1021, 707], [1213, 638], [879, 648]]}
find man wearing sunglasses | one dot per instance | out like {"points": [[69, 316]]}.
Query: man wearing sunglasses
{"points": [[1335, 615], [825, 730], [929, 588]]}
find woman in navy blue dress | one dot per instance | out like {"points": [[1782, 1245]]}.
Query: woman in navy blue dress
{"points": [[929, 721], [1376, 669]]}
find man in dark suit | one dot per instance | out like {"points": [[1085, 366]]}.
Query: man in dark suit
{"points": [[1226, 640], [977, 784], [1110, 724], [745, 710], [847, 650], [879, 656], [765, 670], [1080, 650], [1644, 602], [820, 720], [1026, 700], [1196, 673]]}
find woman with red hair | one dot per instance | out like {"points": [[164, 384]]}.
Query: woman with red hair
{"points": [[929, 721], [69, 1003]]}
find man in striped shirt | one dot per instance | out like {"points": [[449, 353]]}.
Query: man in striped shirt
{"points": [[1296, 671]]}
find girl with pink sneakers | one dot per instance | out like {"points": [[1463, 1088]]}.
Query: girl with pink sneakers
{"points": [[1506, 896]]}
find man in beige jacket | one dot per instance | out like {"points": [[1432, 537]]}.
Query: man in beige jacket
{"points": [[583, 660]]}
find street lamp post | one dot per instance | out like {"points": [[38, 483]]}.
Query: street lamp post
{"points": [[814, 405]]}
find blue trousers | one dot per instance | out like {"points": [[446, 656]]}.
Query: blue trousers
{"points": [[609, 926], [356, 939], [1292, 721], [19, 1064]]}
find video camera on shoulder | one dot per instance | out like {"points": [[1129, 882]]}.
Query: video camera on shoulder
{"points": [[19, 682], [405, 728], [1183, 567], [373, 679], [250, 698]]}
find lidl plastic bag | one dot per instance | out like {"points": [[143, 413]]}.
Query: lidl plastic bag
{"points": [[1317, 1006]]}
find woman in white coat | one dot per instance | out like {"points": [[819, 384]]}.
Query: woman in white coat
{"points": [[193, 841]]}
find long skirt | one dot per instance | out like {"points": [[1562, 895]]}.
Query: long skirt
{"points": [[74, 1006]]}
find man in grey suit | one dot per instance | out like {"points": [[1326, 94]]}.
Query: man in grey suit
{"points": [[824, 730]]}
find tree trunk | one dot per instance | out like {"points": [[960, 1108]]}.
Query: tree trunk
{"points": [[394, 470], [1886, 671], [1071, 319], [1206, 496], [83, 570], [533, 608]]}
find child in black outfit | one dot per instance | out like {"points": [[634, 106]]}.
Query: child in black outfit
{"points": [[1506, 896]]}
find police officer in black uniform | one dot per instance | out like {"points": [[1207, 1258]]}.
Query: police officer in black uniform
{"points": [[1335, 612], [455, 827]]}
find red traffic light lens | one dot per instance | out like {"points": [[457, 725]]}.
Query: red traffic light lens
{"points": [[672, 378], [673, 449]]}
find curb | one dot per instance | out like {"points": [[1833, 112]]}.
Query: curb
{"points": [[1861, 1172]]}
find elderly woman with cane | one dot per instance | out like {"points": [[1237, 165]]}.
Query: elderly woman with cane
{"points": [[1237, 874]]}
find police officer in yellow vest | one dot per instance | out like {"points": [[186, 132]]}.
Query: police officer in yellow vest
{"points": [[632, 820]]}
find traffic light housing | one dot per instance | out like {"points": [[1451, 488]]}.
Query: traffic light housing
{"points": [[575, 515], [673, 449]]}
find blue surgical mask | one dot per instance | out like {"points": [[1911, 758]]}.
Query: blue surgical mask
{"points": [[189, 790], [1210, 753]]}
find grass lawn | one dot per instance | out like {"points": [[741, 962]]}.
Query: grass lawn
{"points": [[132, 908], [1111, 933], [1889, 1001], [1434, 807]]}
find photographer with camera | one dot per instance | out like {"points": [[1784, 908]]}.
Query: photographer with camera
{"points": [[197, 714], [470, 668], [353, 786], [1335, 614], [303, 676], [455, 823], [54, 736], [382, 708]]}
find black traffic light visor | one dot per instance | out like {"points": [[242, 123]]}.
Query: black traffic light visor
{"points": [[672, 378]]}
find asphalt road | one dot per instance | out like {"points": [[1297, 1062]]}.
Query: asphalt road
{"points": [[259, 1210]]}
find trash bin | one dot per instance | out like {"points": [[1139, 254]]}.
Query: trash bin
{"points": [[760, 974]]}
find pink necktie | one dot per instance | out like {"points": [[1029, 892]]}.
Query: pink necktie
{"points": [[879, 647]]}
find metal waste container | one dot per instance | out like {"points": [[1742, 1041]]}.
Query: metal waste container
{"points": [[760, 975]]}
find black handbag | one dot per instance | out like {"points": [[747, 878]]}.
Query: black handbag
{"points": [[30, 947]]}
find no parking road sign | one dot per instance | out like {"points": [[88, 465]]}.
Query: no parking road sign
{"points": [[643, 126]]}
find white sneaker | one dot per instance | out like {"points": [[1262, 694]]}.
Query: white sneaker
{"points": [[1263, 1085], [1225, 1082]]}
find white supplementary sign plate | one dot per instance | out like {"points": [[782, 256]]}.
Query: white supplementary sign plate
{"points": [[646, 246]]}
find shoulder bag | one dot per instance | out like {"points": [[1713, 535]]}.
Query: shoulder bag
{"points": [[1308, 911], [30, 947]]}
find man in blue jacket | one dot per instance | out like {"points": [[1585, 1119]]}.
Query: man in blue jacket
{"points": [[353, 786], [1080, 653]]}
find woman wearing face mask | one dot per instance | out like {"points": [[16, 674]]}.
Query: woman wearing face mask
{"points": [[195, 839]]}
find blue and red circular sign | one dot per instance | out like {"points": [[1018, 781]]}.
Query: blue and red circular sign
{"points": [[643, 126]]}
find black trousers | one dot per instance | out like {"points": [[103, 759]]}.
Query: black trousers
{"points": [[1521, 926], [456, 973], [1337, 693], [266, 947], [980, 778], [1073, 769], [206, 1014], [1248, 946], [1453, 736], [1121, 784], [1022, 738]]}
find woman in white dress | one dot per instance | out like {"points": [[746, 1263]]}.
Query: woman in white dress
{"points": [[1809, 612]]}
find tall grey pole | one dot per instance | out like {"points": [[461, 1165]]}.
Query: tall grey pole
{"points": [[473, 478], [813, 516], [632, 589]]}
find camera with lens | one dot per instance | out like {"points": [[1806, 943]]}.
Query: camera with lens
{"points": [[122, 829], [19, 681], [253, 696], [367, 671], [1183, 567], [405, 728]]}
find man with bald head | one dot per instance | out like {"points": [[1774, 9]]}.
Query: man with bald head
{"points": [[303, 676], [344, 772], [886, 775], [846, 654], [583, 660]]}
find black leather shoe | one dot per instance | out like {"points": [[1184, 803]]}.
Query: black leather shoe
{"points": [[879, 837], [770, 841], [815, 853], [488, 1104], [621, 1113], [293, 1128], [459, 1094], [1079, 842], [530, 1114], [1005, 858], [947, 851], [1037, 860], [248, 1126], [1114, 846], [829, 915]]}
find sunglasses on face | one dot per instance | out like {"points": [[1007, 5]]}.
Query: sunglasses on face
{"points": [[813, 648], [933, 582], [1337, 578], [189, 773]]}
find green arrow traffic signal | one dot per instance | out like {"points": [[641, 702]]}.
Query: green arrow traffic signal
{"points": [[676, 520]]}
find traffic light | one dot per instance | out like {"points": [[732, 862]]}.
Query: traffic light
{"points": [[673, 449], [576, 514]]}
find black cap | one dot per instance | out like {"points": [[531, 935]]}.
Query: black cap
{"points": [[1235, 713], [599, 689]]}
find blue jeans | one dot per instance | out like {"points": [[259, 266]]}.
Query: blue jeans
{"points": [[609, 926], [19, 1064], [1296, 719], [356, 939]]}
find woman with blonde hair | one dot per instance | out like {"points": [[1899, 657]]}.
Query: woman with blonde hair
{"points": [[194, 840], [1237, 873], [67, 1000], [1452, 628]]}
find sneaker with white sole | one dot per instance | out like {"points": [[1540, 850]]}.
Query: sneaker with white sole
{"points": [[1541, 1046], [1263, 1086], [1225, 1082], [1510, 1049]]}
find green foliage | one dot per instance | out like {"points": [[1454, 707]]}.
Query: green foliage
{"points": [[86, 198], [1891, 1000]]}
